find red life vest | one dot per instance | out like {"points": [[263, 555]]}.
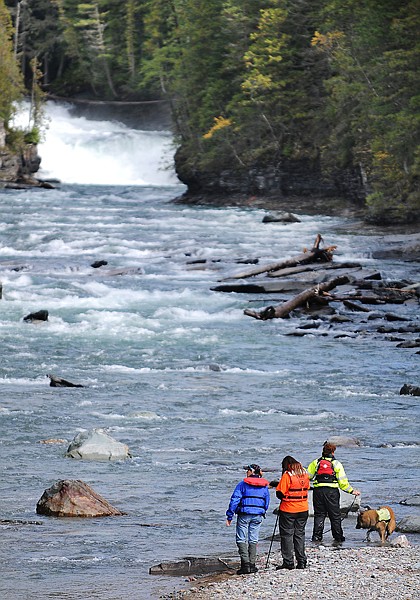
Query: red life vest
{"points": [[325, 471]]}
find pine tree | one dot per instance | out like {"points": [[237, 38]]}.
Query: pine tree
{"points": [[11, 84]]}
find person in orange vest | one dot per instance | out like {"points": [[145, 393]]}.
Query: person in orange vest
{"points": [[292, 490]]}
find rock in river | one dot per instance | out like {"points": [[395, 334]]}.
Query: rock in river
{"points": [[74, 498], [96, 444]]}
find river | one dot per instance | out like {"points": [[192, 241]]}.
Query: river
{"points": [[176, 371]]}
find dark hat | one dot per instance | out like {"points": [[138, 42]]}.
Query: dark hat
{"points": [[256, 469]]}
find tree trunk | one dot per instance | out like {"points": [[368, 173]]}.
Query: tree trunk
{"points": [[316, 254], [282, 310]]}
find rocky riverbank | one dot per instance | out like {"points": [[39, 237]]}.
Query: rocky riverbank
{"points": [[18, 165], [370, 573]]}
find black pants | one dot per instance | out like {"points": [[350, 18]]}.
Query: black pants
{"points": [[327, 503], [292, 536]]}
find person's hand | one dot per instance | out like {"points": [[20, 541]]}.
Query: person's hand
{"points": [[356, 493], [228, 523]]}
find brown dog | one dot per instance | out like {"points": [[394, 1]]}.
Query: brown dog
{"points": [[381, 520]]}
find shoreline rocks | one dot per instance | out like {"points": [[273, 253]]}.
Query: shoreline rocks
{"points": [[370, 573]]}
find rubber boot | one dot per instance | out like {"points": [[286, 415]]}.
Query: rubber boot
{"points": [[243, 553], [252, 552]]}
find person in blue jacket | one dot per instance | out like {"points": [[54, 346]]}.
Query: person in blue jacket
{"points": [[250, 501]]}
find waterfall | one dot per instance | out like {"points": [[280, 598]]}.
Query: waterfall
{"points": [[76, 149]]}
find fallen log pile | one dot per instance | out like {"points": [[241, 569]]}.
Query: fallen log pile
{"points": [[315, 276]]}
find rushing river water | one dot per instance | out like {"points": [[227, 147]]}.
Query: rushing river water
{"points": [[176, 371]]}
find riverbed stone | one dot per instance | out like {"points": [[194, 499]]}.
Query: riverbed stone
{"points": [[74, 498], [97, 444], [400, 542]]}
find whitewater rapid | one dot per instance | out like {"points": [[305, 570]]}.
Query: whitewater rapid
{"points": [[78, 149], [170, 368]]}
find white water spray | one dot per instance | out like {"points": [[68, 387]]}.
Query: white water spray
{"points": [[79, 150]]}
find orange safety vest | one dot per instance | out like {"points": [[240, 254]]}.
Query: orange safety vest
{"points": [[295, 489]]}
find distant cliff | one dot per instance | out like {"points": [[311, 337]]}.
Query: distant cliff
{"points": [[285, 183], [17, 167]]}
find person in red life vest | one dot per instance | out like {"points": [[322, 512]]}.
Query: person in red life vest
{"points": [[328, 477], [292, 490], [250, 501]]}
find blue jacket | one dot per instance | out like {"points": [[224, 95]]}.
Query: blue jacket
{"points": [[251, 496]]}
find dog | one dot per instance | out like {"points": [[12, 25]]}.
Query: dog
{"points": [[381, 520]]}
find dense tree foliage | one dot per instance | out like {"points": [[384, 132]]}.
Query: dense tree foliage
{"points": [[251, 82], [11, 84]]}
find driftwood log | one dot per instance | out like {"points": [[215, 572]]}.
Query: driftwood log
{"points": [[282, 310], [313, 267], [317, 254], [194, 565]]}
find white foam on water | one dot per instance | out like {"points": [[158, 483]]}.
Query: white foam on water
{"points": [[85, 151]]}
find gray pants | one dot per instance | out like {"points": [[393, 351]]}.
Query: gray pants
{"points": [[292, 536]]}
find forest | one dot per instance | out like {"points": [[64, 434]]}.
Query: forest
{"points": [[256, 88]]}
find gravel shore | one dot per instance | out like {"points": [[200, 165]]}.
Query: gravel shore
{"points": [[366, 573]]}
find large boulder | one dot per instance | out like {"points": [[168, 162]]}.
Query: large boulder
{"points": [[409, 524], [96, 444], [74, 498]]}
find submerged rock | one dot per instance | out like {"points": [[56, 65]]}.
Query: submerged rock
{"points": [[41, 315], [74, 498], [14, 522], [99, 263], [411, 500], [409, 390], [409, 524], [280, 217], [60, 382], [96, 444]]}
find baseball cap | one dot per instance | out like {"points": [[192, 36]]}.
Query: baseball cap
{"points": [[256, 469]]}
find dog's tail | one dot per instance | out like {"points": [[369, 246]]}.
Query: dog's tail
{"points": [[392, 524]]}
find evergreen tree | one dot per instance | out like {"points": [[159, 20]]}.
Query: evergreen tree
{"points": [[11, 84], [370, 108]]}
